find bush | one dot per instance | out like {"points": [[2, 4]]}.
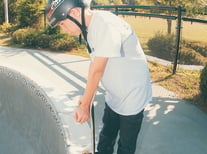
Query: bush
{"points": [[26, 37], [29, 12], [30, 40], [51, 31], [203, 83], [200, 47], [163, 46], [65, 43], [43, 41], [18, 36], [189, 56], [5, 28], [30, 37], [191, 53]]}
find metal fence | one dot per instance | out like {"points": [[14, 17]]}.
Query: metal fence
{"points": [[133, 10]]}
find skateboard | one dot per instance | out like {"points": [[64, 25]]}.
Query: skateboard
{"points": [[92, 128]]}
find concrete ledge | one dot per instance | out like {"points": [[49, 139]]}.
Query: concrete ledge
{"points": [[169, 63]]}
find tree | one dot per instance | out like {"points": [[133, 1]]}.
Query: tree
{"points": [[17, 10], [1, 11], [197, 7], [183, 3], [29, 12], [193, 7], [13, 11]]}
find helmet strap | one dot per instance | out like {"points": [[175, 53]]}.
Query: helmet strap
{"points": [[82, 27]]}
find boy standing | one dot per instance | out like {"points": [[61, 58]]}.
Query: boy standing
{"points": [[118, 61]]}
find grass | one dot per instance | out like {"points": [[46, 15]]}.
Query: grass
{"points": [[146, 28], [184, 83], [4, 40]]}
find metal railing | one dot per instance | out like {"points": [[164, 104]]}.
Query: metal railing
{"points": [[132, 10]]}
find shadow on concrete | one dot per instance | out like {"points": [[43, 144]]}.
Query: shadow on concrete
{"points": [[172, 126]]}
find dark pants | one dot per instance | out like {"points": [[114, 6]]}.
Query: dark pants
{"points": [[128, 128]]}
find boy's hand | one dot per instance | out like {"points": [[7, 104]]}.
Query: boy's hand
{"points": [[82, 114]]}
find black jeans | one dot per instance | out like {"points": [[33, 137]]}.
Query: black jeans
{"points": [[128, 128]]}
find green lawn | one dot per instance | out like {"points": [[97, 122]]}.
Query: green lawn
{"points": [[146, 28]]}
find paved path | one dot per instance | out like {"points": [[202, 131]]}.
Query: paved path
{"points": [[169, 63], [170, 126]]}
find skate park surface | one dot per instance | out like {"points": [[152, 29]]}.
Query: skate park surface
{"points": [[39, 91]]}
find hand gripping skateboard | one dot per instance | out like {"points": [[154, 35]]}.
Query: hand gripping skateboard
{"points": [[92, 128]]}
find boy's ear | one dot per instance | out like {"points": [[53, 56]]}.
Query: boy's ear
{"points": [[75, 12]]}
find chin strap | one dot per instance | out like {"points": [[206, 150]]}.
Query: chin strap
{"points": [[82, 27]]}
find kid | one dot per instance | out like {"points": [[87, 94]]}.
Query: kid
{"points": [[118, 61]]}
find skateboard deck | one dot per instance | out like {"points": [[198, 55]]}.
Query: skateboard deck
{"points": [[92, 128]]}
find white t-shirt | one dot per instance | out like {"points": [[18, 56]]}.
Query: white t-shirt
{"points": [[126, 77]]}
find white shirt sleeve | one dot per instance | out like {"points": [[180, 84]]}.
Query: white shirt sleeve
{"points": [[108, 41]]}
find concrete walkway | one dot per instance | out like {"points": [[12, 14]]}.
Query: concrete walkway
{"points": [[170, 126]]}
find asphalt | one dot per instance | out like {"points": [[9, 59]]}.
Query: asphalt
{"points": [[39, 91]]}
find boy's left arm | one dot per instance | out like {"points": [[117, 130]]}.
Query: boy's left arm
{"points": [[96, 70]]}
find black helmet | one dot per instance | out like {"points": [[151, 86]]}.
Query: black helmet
{"points": [[57, 10]]}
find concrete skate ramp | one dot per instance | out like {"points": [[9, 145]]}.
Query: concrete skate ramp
{"points": [[28, 122]]}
